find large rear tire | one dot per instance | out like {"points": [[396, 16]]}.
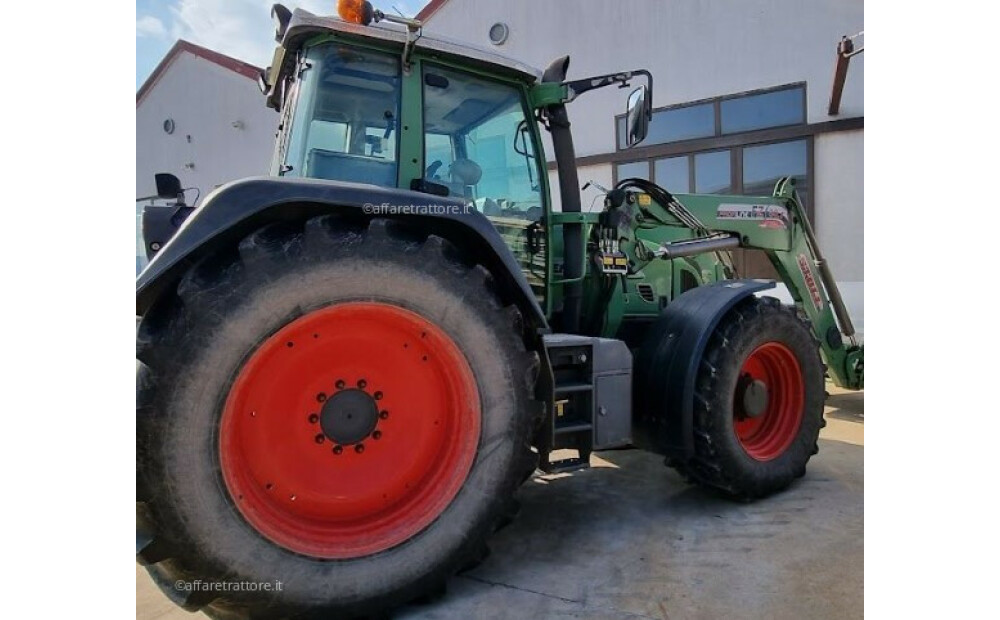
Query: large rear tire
{"points": [[343, 410], [758, 405]]}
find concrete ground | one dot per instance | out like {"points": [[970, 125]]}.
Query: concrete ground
{"points": [[629, 539]]}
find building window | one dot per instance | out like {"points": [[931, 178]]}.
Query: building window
{"points": [[712, 173], [749, 164], [635, 169], [763, 165], [673, 172], [772, 109]]}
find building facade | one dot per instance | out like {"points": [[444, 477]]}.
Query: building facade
{"points": [[201, 117], [741, 93]]}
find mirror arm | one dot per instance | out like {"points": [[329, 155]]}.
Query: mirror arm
{"points": [[576, 88]]}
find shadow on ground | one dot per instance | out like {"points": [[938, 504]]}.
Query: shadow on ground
{"points": [[848, 406]]}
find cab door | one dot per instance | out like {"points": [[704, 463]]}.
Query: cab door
{"points": [[477, 147]]}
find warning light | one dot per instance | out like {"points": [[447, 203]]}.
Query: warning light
{"points": [[356, 11]]}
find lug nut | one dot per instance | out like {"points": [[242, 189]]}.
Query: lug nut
{"points": [[359, 448], [362, 383], [313, 418], [377, 395], [320, 438], [321, 397], [383, 414], [338, 449], [340, 384], [377, 435]]}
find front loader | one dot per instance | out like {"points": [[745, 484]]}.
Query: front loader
{"points": [[347, 368]]}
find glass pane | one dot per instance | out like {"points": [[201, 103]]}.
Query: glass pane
{"points": [[636, 169], [672, 174], [696, 121], [712, 173], [474, 147], [345, 122], [764, 165], [439, 154], [783, 107]]}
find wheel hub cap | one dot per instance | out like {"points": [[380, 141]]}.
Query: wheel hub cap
{"points": [[755, 396], [349, 416]]}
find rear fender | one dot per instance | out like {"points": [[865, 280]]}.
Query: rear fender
{"points": [[234, 210]]}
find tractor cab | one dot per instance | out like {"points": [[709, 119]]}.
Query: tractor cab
{"points": [[363, 104], [384, 105]]}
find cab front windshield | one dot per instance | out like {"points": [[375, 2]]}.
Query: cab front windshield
{"points": [[345, 126]]}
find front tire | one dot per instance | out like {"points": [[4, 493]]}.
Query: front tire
{"points": [[758, 404], [344, 410]]}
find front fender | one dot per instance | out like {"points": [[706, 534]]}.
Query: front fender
{"points": [[666, 365], [234, 210]]}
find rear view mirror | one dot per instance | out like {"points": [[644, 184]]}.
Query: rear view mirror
{"points": [[637, 116], [521, 140], [168, 186]]}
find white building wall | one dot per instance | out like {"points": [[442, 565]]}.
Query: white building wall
{"points": [[598, 173], [840, 192], [204, 100]]}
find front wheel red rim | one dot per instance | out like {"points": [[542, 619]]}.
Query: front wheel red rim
{"points": [[769, 401], [349, 430]]}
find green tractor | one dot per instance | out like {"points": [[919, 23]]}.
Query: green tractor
{"points": [[347, 368]]}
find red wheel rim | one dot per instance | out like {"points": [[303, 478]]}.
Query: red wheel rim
{"points": [[300, 455], [772, 428]]}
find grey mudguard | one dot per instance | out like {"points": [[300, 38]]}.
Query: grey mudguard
{"points": [[667, 364], [234, 210]]}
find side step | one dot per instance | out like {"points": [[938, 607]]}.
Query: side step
{"points": [[591, 398]]}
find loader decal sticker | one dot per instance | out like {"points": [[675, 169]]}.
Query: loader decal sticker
{"points": [[807, 276], [769, 216]]}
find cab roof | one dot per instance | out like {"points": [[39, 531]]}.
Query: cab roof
{"points": [[304, 26]]}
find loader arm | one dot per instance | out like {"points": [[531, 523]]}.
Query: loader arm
{"points": [[777, 225], [810, 281]]}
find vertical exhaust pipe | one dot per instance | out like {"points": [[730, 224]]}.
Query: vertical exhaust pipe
{"points": [[569, 193]]}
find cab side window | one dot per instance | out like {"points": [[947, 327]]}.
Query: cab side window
{"points": [[476, 144]]}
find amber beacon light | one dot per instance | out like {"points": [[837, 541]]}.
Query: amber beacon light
{"points": [[356, 11]]}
